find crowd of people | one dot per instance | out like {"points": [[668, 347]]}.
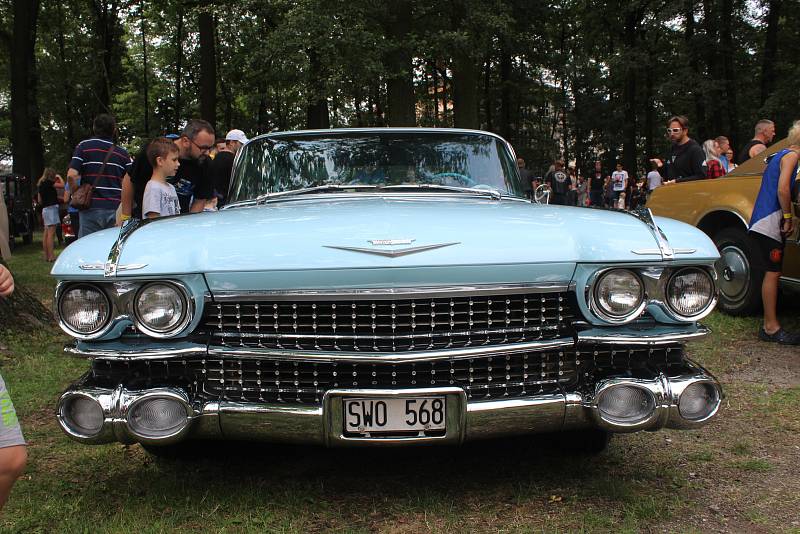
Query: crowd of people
{"points": [[105, 186], [687, 161]]}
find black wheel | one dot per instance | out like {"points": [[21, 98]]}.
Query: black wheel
{"points": [[739, 281]]}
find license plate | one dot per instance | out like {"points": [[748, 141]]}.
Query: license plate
{"points": [[402, 414]]}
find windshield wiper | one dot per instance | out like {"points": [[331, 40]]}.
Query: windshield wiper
{"points": [[484, 192], [266, 197]]}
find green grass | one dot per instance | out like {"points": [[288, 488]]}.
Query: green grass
{"points": [[642, 483]]}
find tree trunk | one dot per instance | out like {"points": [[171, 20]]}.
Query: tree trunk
{"points": [[110, 49], [505, 94], [224, 87], [729, 73], [435, 75], [66, 79], [629, 151], [317, 113], [465, 91], [488, 104], [145, 82], [710, 47], [399, 68], [696, 74], [770, 51], [178, 69], [26, 135], [208, 69], [22, 311]]}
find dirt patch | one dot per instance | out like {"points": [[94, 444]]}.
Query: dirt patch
{"points": [[767, 363]]}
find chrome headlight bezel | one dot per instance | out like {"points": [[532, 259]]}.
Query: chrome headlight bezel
{"points": [[188, 310], [605, 315], [706, 310], [63, 290]]}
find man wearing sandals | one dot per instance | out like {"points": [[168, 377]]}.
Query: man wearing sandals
{"points": [[770, 224]]}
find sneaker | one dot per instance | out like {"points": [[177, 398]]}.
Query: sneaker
{"points": [[781, 336]]}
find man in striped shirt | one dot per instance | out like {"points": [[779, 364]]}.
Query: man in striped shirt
{"points": [[87, 164]]}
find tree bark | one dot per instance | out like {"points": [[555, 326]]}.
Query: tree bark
{"points": [[729, 73], [66, 78], [505, 94], [178, 69], [401, 105], [208, 69], [110, 49], [488, 104], [22, 311], [770, 51], [465, 91], [317, 113], [145, 82], [696, 74], [629, 151], [224, 87], [26, 135]]}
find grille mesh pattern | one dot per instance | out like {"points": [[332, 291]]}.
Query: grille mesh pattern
{"points": [[304, 382], [390, 326]]}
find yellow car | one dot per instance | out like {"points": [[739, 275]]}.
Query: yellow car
{"points": [[722, 208]]}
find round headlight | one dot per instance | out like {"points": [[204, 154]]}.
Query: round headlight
{"points": [[618, 294], [83, 415], [84, 309], [157, 417], [160, 308], [626, 404], [690, 292], [698, 401]]}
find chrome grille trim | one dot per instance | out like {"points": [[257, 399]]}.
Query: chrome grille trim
{"points": [[387, 357], [389, 293], [423, 323]]}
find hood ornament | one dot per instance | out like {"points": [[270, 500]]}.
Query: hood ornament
{"points": [[392, 253]]}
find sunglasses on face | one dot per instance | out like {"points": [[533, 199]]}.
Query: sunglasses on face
{"points": [[674, 130]]}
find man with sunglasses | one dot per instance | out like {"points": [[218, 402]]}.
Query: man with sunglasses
{"points": [[193, 181], [685, 162]]}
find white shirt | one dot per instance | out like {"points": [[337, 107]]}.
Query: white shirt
{"points": [[653, 180], [160, 198], [619, 179]]}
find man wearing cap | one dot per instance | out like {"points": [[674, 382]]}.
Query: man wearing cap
{"points": [[193, 182], [222, 165]]}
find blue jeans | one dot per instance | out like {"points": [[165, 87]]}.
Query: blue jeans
{"points": [[93, 220]]}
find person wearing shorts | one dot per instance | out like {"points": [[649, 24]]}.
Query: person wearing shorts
{"points": [[13, 452], [48, 199], [770, 224]]}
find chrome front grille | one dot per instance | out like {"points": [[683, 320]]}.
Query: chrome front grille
{"points": [[390, 325], [293, 381]]}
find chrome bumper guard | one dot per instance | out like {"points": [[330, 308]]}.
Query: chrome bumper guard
{"points": [[322, 425]]}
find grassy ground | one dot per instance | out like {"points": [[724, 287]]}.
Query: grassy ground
{"points": [[741, 473]]}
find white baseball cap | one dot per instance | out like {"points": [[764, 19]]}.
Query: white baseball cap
{"points": [[236, 135]]}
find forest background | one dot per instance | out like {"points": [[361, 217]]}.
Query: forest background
{"points": [[575, 79]]}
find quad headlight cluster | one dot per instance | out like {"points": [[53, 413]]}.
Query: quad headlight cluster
{"points": [[158, 309], [620, 295]]}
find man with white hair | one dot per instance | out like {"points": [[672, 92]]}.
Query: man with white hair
{"points": [[222, 166], [764, 134]]}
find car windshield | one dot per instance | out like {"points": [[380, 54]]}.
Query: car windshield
{"points": [[432, 161]]}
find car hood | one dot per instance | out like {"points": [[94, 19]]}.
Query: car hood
{"points": [[313, 234]]}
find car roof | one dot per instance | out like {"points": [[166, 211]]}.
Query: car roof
{"points": [[380, 130]]}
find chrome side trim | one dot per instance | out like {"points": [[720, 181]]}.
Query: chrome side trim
{"points": [[112, 264], [102, 266], [388, 357], [389, 293]]}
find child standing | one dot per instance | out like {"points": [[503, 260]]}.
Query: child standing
{"points": [[160, 198]]}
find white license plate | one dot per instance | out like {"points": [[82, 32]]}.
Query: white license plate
{"points": [[362, 415]]}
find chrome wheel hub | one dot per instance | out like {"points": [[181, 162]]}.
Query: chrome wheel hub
{"points": [[734, 273]]}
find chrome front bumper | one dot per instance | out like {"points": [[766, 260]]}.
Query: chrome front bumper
{"points": [[322, 425]]}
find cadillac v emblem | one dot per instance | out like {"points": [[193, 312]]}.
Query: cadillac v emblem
{"points": [[394, 252], [377, 242]]}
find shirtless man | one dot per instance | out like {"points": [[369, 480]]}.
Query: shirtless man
{"points": [[764, 134]]}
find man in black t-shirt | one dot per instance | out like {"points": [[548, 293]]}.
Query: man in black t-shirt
{"points": [[686, 158], [222, 165], [192, 182], [763, 135], [559, 183], [596, 183]]}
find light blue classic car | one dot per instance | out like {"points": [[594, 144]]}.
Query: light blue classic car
{"points": [[385, 287]]}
